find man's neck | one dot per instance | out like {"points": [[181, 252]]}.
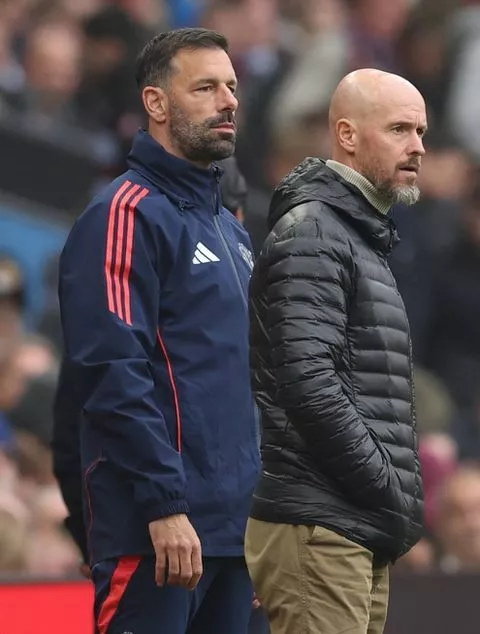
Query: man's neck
{"points": [[381, 204]]}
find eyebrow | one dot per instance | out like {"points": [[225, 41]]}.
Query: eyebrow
{"points": [[212, 80], [408, 124]]}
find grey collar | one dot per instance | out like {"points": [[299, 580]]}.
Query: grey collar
{"points": [[364, 185]]}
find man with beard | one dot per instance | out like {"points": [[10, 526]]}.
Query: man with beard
{"points": [[340, 496], [153, 296]]}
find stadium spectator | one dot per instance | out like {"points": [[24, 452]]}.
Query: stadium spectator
{"points": [[458, 529]]}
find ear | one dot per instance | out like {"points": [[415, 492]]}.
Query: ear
{"points": [[155, 102], [346, 135]]}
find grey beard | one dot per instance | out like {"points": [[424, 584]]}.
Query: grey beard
{"points": [[405, 195]]}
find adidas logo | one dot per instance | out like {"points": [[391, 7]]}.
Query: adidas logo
{"points": [[203, 255]]}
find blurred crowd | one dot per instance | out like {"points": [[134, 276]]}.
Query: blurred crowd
{"points": [[66, 74]]}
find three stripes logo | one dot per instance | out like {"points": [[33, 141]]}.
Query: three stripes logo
{"points": [[203, 255], [118, 258]]}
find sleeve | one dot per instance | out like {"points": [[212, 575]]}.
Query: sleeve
{"points": [[66, 457], [307, 304], [109, 300]]}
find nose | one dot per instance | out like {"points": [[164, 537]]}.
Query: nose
{"points": [[229, 101], [417, 145]]}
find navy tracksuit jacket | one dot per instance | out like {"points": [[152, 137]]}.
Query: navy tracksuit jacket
{"points": [[155, 383]]}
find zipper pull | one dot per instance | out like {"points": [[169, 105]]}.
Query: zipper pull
{"points": [[217, 172]]}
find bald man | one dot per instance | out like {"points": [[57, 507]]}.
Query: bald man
{"points": [[340, 496]]}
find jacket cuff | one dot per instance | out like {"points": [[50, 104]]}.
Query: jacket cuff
{"points": [[174, 507]]}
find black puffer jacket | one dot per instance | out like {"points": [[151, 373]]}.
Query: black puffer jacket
{"points": [[332, 369]]}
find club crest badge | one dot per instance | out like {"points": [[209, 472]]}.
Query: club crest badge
{"points": [[247, 255]]}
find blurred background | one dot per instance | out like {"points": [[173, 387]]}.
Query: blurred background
{"points": [[68, 111]]}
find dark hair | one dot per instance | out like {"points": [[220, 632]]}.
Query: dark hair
{"points": [[154, 62]]}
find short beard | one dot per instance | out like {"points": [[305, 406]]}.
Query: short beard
{"points": [[394, 194], [198, 142], [401, 194]]}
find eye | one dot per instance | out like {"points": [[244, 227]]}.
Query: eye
{"points": [[398, 129], [208, 88], [233, 89]]}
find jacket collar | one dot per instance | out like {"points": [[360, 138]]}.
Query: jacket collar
{"points": [[379, 202], [177, 178], [313, 180]]}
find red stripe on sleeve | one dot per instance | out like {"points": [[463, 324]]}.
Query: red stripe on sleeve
{"points": [[120, 251], [110, 241], [120, 579], [128, 254]]}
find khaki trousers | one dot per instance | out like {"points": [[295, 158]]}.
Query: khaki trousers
{"points": [[312, 581]]}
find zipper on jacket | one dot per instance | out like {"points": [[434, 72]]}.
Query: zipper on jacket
{"points": [[230, 257], [223, 240]]}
